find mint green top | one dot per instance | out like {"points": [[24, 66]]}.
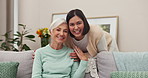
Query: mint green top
{"points": [[51, 63]]}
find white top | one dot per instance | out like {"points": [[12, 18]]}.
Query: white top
{"points": [[82, 44]]}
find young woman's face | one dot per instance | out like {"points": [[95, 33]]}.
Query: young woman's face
{"points": [[59, 34], [76, 26]]}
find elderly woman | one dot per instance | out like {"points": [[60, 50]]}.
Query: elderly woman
{"points": [[53, 60]]}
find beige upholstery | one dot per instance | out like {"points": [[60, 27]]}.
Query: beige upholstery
{"points": [[24, 59]]}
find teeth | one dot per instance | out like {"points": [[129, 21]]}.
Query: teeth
{"points": [[77, 31], [61, 37]]}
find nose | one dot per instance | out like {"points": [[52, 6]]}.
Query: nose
{"points": [[61, 33], [76, 27]]}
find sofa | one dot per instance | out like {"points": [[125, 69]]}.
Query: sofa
{"points": [[123, 64], [24, 58], [105, 62]]}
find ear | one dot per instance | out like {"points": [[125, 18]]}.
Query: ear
{"points": [[50, 31]]}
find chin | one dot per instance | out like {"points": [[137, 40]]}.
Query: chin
{"points": [[61, 41], [77, 36]]}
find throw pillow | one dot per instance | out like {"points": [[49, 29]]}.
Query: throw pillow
{"points": [[8, 69]]}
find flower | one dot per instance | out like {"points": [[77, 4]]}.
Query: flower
{"points": [[43, 33]]}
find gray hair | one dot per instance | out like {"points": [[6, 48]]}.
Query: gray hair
{"points": [[56, 23]]}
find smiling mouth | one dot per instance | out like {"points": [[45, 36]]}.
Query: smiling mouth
{"points": [[60, 38], [77, 31]]}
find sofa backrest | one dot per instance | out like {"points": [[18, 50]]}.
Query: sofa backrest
{"points": [[25, 61]]}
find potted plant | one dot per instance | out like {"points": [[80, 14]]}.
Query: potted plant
{"points": [[44, 35], [17, 43]]}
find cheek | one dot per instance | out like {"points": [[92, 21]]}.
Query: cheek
{"points": [[71, 29], [82, 26], [66, 34]]}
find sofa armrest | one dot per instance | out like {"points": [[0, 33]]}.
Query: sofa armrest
{"points": [[105, 64]]}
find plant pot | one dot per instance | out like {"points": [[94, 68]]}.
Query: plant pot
{"points": [[44, 41]]}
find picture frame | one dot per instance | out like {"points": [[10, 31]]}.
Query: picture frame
{"points": [[58, 15], [107, 23]]}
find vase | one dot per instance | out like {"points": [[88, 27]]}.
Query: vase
{"points": [[44, 42]]}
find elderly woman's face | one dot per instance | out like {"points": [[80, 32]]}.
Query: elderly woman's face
{"points": [[60, 33]]}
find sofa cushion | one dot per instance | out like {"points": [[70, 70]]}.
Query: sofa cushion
{"points": [[134, 61], [25, 61], [105, 64], [129, 74], [8, 69]]}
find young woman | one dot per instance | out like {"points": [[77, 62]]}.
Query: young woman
{"points": [[53, 61], [90, 39]]}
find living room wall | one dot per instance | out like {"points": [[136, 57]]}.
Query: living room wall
{"points": [[133, 17], [2, 17]]}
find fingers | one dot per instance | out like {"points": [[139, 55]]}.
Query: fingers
{"points": [[74, 57], [77, 52], [33, 55], [73, 54], [80, 53]]}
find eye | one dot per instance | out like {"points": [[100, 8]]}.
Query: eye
{"points": [[71, 24], [58, 29], [66, 31], [79, 22]]}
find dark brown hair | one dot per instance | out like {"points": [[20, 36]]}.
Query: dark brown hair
{"points": [[79, 13]]}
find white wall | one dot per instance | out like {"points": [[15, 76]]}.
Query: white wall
{"points": [[2, 17], [133, 17]]}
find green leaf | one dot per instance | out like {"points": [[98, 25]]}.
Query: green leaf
{"points": [[7, 34], [33, 40], [3, 44], [15, 49], [16, 35], [26, 47], [19, 34], [24, 26], [15, 39], [11, 41], [6, 48], [30, 36], [21, 24], [18, 43], [1, 40]]}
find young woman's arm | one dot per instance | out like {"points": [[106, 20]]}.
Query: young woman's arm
{"points": [[102, 45], [79, 71]]}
